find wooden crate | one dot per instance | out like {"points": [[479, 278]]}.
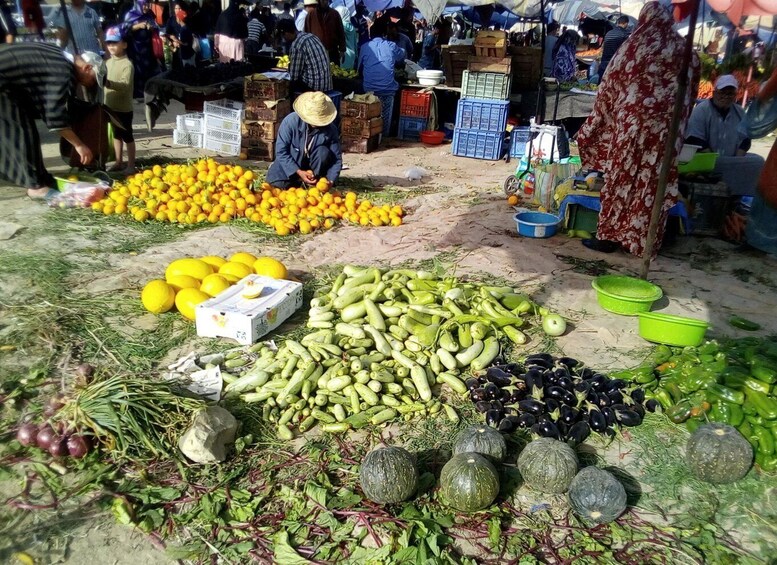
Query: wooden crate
{"points": [[362, 110], [259, 87], [527, 67], [490, 65], [455, 60], [259, 150], [260, 130], [359, 145], [360, 128], [491, 44], [267, 110]]}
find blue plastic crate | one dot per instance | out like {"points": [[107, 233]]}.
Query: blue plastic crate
{"points": [[478, 144], [411, 128], [518, 140], [486, 115]]}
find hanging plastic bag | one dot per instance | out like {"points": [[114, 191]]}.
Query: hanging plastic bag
{"points": [[760, 119]]}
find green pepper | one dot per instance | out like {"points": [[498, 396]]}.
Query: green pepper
{"points": [[708, 348], [680, 412], [663, 398], [747, 431], [743, 324], [674, 391], [764, 405], [721, 392], [662, 354], [707, 358], [764, 438], [737, 414], [754, 384], [765, 374], [767, 462], [755, 420], [692, 424], [720, 412], [735, 380], [641, 375]]}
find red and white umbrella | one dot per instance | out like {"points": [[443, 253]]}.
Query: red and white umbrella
{"points": [[735, 9]]}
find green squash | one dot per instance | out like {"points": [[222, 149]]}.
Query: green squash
{"points": [[718, 453], [547, 465], [481, 439], [388, 475], [597, 496], [469, 482]]}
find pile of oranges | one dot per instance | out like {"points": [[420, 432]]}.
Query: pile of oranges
{"points": [[208, 191]]}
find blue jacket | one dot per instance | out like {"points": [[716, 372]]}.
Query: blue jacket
{"points": [[376, 63], [290, 148]]}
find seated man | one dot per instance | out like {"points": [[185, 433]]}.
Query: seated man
{"points": [[717, 125], [308, 144]]}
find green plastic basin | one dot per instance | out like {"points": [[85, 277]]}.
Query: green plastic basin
{"points": [[627, 296], [672, 330]]}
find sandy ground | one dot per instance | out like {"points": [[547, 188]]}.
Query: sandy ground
{"points": [[461, 212]]}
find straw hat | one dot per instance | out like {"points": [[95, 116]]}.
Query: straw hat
{"points": [[310, 3], [315, 108]]}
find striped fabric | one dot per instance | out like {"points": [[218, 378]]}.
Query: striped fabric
{"points": [[309, 62], [36, 81], [256, 30], [86, 28]]}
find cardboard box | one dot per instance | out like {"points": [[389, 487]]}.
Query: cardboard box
{"points": [[352, 109], [361, 128], [246, 320], [360, 145], [260, 130], [259, 87], [259, 150], [267, 110]]}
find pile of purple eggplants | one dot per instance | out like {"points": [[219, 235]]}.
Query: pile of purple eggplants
{"points": [[557, 398]]}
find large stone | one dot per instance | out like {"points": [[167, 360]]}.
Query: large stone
{"points": [[210, 436]]}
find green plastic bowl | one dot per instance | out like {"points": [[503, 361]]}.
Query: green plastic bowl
{"points": [[672, 330], [625, 295]]}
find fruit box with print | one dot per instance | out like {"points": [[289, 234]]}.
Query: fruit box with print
{"points": [[231, 314]]}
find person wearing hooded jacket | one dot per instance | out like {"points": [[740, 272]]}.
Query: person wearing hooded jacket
{"points": [[231, 33]]}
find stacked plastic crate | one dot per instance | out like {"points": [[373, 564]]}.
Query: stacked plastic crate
{"points": [[360, 126], [267, 103], [481, 118], [189, 130], [414, 108], [223, 120]]}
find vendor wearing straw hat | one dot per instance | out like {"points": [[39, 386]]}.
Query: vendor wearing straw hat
{"points": [[308, 144]]}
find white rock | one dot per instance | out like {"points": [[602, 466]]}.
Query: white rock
{"points": [[210, 435]]}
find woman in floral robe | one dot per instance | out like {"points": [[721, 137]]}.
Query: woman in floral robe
{"points": [[625, 135]]}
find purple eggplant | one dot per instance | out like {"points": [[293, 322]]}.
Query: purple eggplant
{"points": [[550, 378], [566, 383], [609, 415], [472, 384], [551, 404], [496, 373], [604, 400], [531, 406], [615, 396], [593, 398], [652, 405], [568, 362], [491, 392], [506, 426], [578, 433], [482, 406], [555, 392], [582, 386], [493, 417], [569, 398], [609, 432], [638, 395], [545, 357], [495, 405], [616, 384], [598, 383], [639, 409], [568, 414], [477, 395], [482, 380], [628, 418], [547, 429], [597, 420], [586, 374], [534, 379], [513, 368], [526, 420]]}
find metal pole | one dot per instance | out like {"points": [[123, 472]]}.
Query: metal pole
{"points": [[671, 139]]}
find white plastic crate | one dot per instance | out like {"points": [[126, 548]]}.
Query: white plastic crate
{"points": [[223, 136], [191, 123], [224, 124], [222, 147], [227, 109], [187, 138]]}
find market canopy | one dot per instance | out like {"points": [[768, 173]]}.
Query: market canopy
{"points": [[432, 9]]}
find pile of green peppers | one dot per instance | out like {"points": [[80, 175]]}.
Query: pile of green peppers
{"points": [[732, 383]]}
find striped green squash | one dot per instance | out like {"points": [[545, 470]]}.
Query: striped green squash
{"points": [[547, 465], [388, 475], [597, 496], [469, 482], [481, 439]]}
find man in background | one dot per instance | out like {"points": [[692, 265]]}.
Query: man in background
{"points": [[613, 39], [327, 25], [308, 60], [85, 23], [551, 38]]}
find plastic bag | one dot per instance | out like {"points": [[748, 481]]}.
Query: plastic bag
{"points": [[415, 173], [760, 119], [78, 195]]}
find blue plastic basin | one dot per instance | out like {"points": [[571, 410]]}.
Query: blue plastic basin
{"points": [[536, 224]]}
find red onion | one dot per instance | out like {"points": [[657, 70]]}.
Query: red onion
{"points": [[26, 434], [58, 447], [84, 370], [53, 405], [45, 436], [78, 446]]}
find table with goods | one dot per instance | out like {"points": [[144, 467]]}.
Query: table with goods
{"points": [[398, 354]]}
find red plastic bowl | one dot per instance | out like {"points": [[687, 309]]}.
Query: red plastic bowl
{"points": [[431, 137]]}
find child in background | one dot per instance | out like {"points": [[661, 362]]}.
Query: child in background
{"points": [[118, 98]]}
